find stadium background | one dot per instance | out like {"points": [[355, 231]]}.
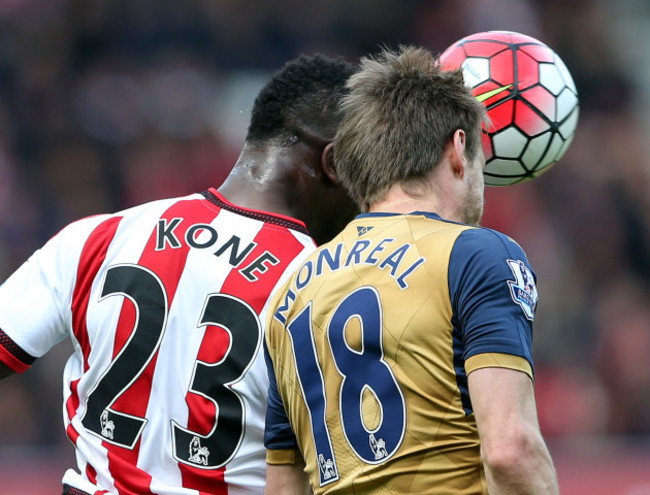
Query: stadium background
{"points": [[108, 103]]}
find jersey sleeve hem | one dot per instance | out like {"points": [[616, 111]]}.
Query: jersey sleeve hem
{"points": [[284, 456], [13, 362], [13, 355], [498, 360]]}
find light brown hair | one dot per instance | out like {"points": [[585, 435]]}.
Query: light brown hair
{"points": [[401, 111]]}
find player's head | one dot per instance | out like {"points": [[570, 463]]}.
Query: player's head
{"points": [[287, 154], [402, 113], [300, 103]]}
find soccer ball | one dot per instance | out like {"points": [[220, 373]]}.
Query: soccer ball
{"points": [[531, 100]]}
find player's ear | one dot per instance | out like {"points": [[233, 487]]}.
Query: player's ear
{"points": [[327, 162], [457, 150]]}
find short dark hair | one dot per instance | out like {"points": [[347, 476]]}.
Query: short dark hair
{"points": [[304, 93], [402, 110]]}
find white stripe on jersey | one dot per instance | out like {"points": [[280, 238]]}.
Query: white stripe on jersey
{"points": [[52, 276]]}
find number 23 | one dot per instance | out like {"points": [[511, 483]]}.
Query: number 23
{"points": [[148, 294]]}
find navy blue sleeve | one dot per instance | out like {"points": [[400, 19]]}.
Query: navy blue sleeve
{"points": [[493, 294], [278, 434]]}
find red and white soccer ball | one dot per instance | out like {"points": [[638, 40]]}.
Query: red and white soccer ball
{"points": [[531, 100]]}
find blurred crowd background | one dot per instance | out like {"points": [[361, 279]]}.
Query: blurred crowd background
{"points": [[109, 103]]}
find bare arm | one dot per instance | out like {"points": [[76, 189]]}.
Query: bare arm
{"points": [[516, 459], [286, 479]]}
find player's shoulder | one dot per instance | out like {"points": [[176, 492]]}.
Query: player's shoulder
{"points": [[483, 241], [82, 225], [481, 251], [91, 222], [467, 239], [159, 204]]}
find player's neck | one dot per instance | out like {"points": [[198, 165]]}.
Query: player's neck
{"points": [[395, 204], [397, 200], [253, 195], [258, 181]]}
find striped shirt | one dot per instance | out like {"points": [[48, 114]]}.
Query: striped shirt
{"points": [[165, 391]]}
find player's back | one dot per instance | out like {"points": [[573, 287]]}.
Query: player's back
{"points": [[368, 361], [166, 390]]}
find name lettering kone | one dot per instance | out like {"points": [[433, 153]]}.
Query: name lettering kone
{"points": [[205, 236]]}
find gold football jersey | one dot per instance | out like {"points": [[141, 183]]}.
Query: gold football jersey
{"points": [[369, 346]]}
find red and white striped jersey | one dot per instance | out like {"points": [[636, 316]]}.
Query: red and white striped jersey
{"points": [[165, 391]]}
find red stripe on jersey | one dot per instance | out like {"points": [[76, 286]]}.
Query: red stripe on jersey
{"points": [[202, 413], [168, 264], [282, 243], [92, 257], [72, 434], [91, 474], [206, 481], [127, 477], [71, 406], [213, 348]]}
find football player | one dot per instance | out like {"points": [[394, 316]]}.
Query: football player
{"points": [[400, 352], [166, 389]]}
